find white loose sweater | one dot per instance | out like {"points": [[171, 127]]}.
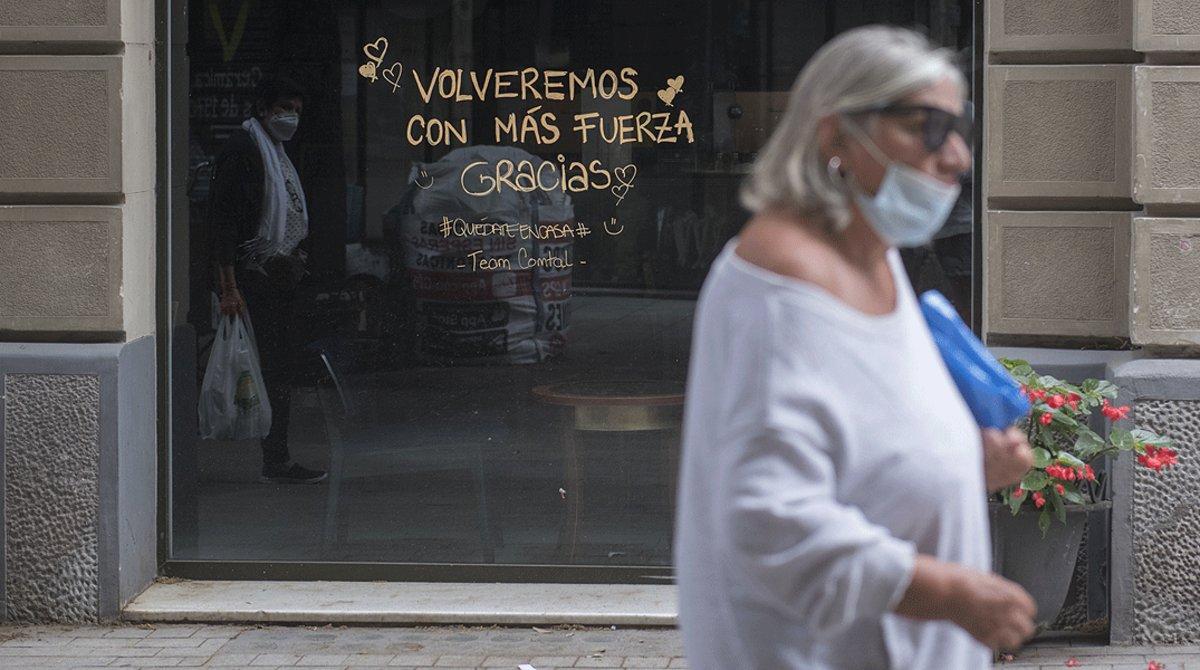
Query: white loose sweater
{"points": [[822, 448]]}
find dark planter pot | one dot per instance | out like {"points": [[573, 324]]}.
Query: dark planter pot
{"points": [[1043, 566]]}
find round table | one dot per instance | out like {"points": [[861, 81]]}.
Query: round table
{"points": [[616, 406]]}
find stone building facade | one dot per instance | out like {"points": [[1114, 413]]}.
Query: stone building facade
{"points": [[78, 211], [1091, 236], [1091, 231]]}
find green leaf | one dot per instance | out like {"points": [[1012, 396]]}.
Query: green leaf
{"points": [[1048, 382], [1075, 497], [1148, 437], [1088, 443], [1060, 510], [1044, 521], [1121, 439], [1063, 419], [1010, 363], [1089, 385], [1107, 389], [1022, 371], [1065, 458], [1035, 480], [1041, 457]]}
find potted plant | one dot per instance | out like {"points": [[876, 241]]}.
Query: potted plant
{"points": [[1063, 483]]}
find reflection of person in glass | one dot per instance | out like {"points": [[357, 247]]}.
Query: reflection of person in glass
{"points": [[832, 509], [259, 217]]}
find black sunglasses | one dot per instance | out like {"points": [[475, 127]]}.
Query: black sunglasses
{"points": [[936, 123]]}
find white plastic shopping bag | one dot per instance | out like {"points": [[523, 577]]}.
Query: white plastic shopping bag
{"points": [[233, 398]]}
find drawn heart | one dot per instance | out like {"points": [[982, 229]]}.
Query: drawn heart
{"points": [[620, 190], [674, 87], [367, 70], [624, 174], [392, 75], [376, 50]]}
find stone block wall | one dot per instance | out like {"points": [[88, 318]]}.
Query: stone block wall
{"points": [[1092, 111], [1156, 515], [1091, 191], [78, 178]]}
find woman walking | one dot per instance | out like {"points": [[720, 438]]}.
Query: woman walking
{"points": [[832, 505]]}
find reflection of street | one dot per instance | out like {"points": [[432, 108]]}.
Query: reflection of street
{"points": [[433, 516]]}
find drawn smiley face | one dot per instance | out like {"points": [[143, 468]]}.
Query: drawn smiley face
{"points": [[424, 180]]}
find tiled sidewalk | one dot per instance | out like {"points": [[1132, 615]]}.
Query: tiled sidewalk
{"points": [[439, 648]]}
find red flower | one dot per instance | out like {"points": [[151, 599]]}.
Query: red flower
{"points": [[1157, 458], [1018, 492], [1113, 413], [1088, 473], [1056, 401], [1072, 662], [1061, 472], [1045, 418], [1038, 499], [1155, 665], [1037, 394], [1060, 489], [1167, 456], [1073, 400]]}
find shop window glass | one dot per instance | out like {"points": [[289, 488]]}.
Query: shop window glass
{"points": [[511, 207]]}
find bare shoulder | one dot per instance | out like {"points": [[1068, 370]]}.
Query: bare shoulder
{"points": [[788, 247]]}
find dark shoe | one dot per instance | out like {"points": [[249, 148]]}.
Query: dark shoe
{"points": [[290, 473]]}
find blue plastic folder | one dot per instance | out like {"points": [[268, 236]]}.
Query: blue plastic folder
{"points": [[993, 396]]}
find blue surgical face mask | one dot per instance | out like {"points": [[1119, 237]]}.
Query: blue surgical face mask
{"points": [[910, 206]]}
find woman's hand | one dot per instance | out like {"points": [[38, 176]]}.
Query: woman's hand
{"points": [[1006, 457], [232, 301], [995, 611]]}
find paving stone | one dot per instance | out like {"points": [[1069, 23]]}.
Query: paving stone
{"points": [[647, 662], [439, 648], [54, 661], [553, 661], [129, 632], [231, 660], [318, 660], [368, 660], [601, 662], [505, 661], [459, 661], [190, 661], [177, 642], [412, 660], [174, 631], [276, 660]]}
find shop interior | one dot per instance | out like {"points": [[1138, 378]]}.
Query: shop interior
{"points": [[471, 415]]}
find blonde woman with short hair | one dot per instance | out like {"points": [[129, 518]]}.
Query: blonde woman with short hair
{"points": [[832, 504]]}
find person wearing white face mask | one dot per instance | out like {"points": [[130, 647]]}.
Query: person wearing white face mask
{"points": [[831, 509], [258, 216]]}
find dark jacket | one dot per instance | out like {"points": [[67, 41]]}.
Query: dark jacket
{"points": [[235, 196]]}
